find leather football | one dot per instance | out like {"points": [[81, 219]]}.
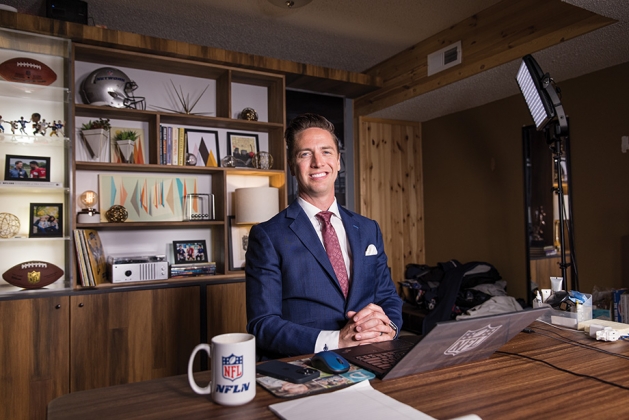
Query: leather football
{"points": [[27, 70], [32, 274]]}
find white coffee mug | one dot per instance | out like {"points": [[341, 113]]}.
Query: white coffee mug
{"points": [[233, 365]]}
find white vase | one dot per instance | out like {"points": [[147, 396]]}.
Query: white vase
{"points": [[126, 149], [96, 141]]}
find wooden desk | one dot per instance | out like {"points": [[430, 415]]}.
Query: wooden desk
{"points": [[502, 387]]}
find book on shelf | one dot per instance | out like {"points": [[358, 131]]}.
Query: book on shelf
{"points": [[175, 150], [169, 145], [172, 145], [193, 269], [91, 257], [182, 146]]}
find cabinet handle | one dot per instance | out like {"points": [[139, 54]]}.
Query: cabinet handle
{"points": [[81, 305], [58, 306]]}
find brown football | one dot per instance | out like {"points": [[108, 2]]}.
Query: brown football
{"points": [[27, 70], [32, 274]]}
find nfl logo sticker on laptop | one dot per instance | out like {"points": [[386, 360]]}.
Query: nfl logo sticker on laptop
{"points": [[232, 367], [471, 340]]}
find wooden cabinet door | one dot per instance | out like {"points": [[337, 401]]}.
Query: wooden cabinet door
{"points": [[34, 355], [226, 309], [132, 336]]}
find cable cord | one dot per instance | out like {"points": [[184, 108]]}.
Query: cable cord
{"points": [[581, 375], [576, 343]]}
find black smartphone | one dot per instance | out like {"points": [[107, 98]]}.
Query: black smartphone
{"points": [[287, 372]]}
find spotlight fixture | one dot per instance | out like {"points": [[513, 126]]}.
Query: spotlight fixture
{"points": [[290, 4]]}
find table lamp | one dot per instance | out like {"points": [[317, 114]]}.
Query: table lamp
{"points": [[88, 214], [255, 205]]}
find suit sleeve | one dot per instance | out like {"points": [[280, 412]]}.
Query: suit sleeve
{"points": [[386, 295], [274, 334]]}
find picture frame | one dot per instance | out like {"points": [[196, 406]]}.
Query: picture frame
{"points": [[33, 169], [203, 144], [46, 220], [238, 242], [188, 252], [243, 147], [134, 152]]}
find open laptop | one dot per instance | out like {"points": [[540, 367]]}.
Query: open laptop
{"points": [[448, 343]]}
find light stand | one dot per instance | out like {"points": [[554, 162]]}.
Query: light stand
{"points": [[558, 153], [545, 107]]}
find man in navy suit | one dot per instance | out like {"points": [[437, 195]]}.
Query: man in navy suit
{"points": [[295, 303]]}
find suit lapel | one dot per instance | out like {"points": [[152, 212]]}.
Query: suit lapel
{"points": [[305, 232], [352, 230]]}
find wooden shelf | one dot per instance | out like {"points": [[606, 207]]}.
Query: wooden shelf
{"points": [[151, 225], [227, 82], [217, 278]]}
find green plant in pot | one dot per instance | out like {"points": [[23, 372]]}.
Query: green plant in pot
{"points": [[95, 135], [125, 142]]}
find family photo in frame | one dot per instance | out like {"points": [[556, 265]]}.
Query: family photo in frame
{"points": [[27, 168], [243, 147], [46, 220], [187, 252]]}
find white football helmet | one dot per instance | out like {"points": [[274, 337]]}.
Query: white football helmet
{"points": [[110, 86]]}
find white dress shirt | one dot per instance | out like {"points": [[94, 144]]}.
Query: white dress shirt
{"points": [[329, 340]]}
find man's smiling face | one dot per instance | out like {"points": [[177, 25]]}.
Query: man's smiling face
{"points": [[316, 164]]}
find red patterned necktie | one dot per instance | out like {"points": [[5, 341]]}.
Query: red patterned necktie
{"points": [[333, 249]]}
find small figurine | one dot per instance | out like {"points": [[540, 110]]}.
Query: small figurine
{"points": [[53, 128], [22, 123], [1, 127], [14, 126], [58, 126], [42, 126], [35, 120]]}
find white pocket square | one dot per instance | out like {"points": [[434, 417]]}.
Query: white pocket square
{"points": [[371, 250]]}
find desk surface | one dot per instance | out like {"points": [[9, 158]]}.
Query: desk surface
{"points": [[501, 387]]}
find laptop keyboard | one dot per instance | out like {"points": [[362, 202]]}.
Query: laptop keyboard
{"points": [[385, 360]]}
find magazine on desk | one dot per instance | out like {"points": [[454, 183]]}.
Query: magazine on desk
{"points": [[324, 382]]}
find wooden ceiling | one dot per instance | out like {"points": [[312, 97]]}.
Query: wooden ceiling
{"points": [[497, 35], [502, 33]]}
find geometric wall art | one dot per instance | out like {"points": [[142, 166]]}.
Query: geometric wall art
{"points": [[147, 199]]}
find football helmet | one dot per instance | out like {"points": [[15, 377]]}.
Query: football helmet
{"points": [[110, 86]]}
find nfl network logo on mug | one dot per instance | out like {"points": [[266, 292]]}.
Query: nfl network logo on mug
{"points": [[232, 367]]}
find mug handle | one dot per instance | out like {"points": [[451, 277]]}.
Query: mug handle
{"points": [[196, 388]]}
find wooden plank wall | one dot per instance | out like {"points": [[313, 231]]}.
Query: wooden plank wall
{"points": [[389, 163]]}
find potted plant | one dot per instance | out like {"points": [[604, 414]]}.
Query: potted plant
{"points": [[95, 134], [125, 141]]}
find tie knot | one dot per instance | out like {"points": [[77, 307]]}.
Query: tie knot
{"points": [[324, 216]]}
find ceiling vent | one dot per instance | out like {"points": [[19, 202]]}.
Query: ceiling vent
{"points": [[444, 58]]}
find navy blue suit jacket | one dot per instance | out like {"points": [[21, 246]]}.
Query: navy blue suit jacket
{"points": [[292, 291]]}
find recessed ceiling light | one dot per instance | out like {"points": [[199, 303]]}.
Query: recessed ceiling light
{"points": [[289, 4]]}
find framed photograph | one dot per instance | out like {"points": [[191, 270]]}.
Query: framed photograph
{"points": [[203, 145], [127, 145], [46, 220], [243, 147], [187, 252], [238, 242], [27, 168]]}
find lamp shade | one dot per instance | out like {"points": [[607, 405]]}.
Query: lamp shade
{"points": [[256, 205]]}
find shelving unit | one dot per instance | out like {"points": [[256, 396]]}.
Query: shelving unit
{"points": [[229, 90], [22, 100]]}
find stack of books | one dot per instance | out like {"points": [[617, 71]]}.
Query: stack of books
{"points": [[193, 269], [172, 146], [91, 257]]}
